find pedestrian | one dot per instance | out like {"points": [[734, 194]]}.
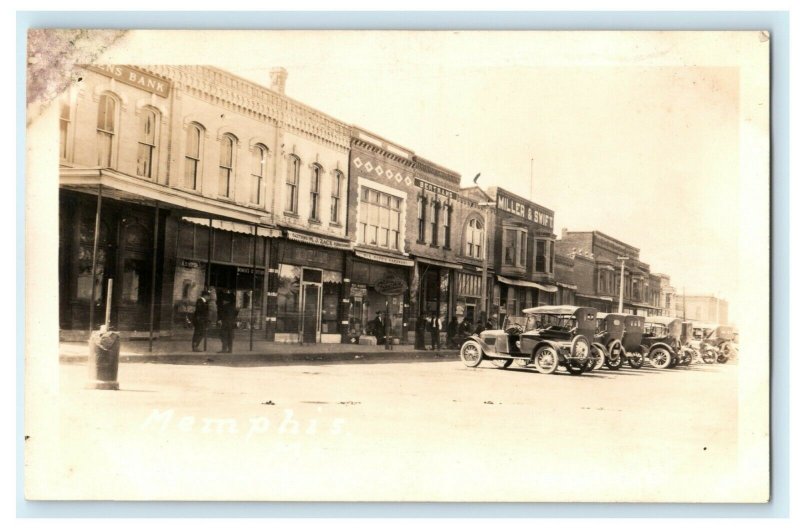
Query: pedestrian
{"points": [[379, 328], [200, 320], [435, 327], [478, 329], [465, 328], [419, 332], [227, 315], [452, 330]]}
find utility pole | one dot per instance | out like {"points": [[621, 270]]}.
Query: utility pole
{"points": [[684, 303], [622, 281]]}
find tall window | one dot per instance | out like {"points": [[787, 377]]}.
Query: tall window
{"points": [[474, 239], [225, 166], [313, 214], [515, 246], [448, 211], [435, 208], [379, 219], [292, 179], [257, 173], [541, 255], [106, 127], [147, 143], [336, 194], [192, 158], [63, 122], [422, 204]]}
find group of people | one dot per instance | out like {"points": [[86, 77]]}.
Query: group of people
{"points": [[226, 316]]}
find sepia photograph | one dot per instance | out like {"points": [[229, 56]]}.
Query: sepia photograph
{"points": [[410, 266]]}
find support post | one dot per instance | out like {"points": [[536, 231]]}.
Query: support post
{"points": [[208, 278], [253, 286], [153, 278], [94, 255]]}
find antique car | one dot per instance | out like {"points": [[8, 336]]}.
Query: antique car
{"points": [[545, 338], [693, 354], [632, 341], [662, 340], [717, 338], [610, 330]]}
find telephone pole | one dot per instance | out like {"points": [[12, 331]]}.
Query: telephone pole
{"points": [[622, 281]]}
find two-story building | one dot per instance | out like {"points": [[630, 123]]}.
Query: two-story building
{"points": [[178, 178]]}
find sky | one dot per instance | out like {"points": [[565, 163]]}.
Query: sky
{"points": [[633, 134]]}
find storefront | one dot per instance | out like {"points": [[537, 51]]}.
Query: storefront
{"points": [[308, 288], [517, 294], [378, 283], [468, 303]]}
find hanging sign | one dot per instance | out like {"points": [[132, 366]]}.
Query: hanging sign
{"points": [[391, 285]]}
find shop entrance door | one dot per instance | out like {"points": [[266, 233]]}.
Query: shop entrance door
{"points": [[311, 303], [131, 301]]}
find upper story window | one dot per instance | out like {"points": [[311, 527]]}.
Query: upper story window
{"points": [[225, 182], [435, 209], [379, 219], [422, 205], [473, 239], [292, 182], [259, 164], [446, 220], [63, 123], [336, 195], [545, 256], [191, 168], [106, 129], [147, 143], [515, 245], [316, 173]]}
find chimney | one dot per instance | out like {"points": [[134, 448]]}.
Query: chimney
{"points": [[277, 77]]}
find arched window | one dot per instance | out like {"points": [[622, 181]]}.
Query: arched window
{"points": [[316, 172], [106, 129], [257, 173], [336, 195], [292, 181], [147, 143], [474, 239], [226, 165], [191, 171]]}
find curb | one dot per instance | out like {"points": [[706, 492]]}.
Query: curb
{"points": [[256, 359]]}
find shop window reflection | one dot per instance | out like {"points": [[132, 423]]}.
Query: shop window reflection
{"points": [[288, 316]]}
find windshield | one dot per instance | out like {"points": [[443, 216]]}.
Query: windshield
{"points": [[655, 329], [553, 322]]}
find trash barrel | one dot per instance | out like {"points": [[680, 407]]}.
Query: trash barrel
{"points": [[103, 360]]}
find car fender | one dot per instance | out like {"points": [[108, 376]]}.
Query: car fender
{"points": [[551, 343], [477, 339], [661, 345]]}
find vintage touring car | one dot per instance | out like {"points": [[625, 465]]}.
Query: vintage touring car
{"points": [[632, 341], [610, 331], [718, 338], [662, 339], [545, 338]]}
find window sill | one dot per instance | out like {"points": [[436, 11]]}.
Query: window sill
{"points": [[291, 214], [335, 225], [315, 221]]}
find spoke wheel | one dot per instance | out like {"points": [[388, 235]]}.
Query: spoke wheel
{"points": [[502, 363], [471, 354], [636, 359], [546, 360], [576, 369], [616, 355], [660, 359], [598, 358]]}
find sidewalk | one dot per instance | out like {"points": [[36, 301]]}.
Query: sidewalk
{"points": [[179, 351]]}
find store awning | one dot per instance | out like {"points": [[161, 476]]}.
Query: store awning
{"points": [[436, 262], [399, 261], [566, 285], [238, 227], [601, 298], [529, 284]]}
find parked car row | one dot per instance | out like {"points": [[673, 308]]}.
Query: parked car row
{"points": [[579, 339]]}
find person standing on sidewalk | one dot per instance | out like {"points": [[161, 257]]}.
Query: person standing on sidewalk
{"points": [[436, 326], [379, 328], [227, 316], [200, 320]]}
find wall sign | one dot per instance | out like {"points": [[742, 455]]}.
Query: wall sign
{"points": [[319, 241], [526, 210], [433, 188], [129, 76]]}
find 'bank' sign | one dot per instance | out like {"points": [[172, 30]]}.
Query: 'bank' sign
{"points": [[129, 76], [527, 211]]}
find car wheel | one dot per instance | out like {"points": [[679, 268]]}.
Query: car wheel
{"points": [[471, 354], [546, 360], [636, 358], [709, 356], [598, 358], [502, 363], [660, 358], [721, 359], [576, 369], [616, 355]]}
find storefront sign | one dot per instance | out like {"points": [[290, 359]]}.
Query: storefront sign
{"points": [[399, 261], [245, 270], [126, 74], [433, 188], [358, 291], [391, 285], [186, 263], [317, 240], [528, 211]]}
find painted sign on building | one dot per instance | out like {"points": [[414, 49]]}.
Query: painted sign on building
{"points": [[132, 77], [526, 210]]}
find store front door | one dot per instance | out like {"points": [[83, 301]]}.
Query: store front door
{"points": [[311, 301]]}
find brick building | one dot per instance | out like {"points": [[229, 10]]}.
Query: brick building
{"points": [[703, 308]]}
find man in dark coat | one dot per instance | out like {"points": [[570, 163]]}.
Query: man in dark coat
{"points": [[200, 320], [435, 327], [379, 328], [452, 331], [226, 307]]}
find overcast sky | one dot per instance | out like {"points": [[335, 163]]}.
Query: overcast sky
{"points": [[632, 134]]}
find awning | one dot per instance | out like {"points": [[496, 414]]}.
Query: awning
{"points": [[529, 284], [238, 227], [566, 285], [601, 298], [399, 261], [436, 262]]}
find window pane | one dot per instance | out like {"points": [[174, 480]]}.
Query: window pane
{"points": [[143, 160]]}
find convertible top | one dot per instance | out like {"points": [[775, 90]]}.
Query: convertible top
{"points": [[665, 320], [604, 315]]}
